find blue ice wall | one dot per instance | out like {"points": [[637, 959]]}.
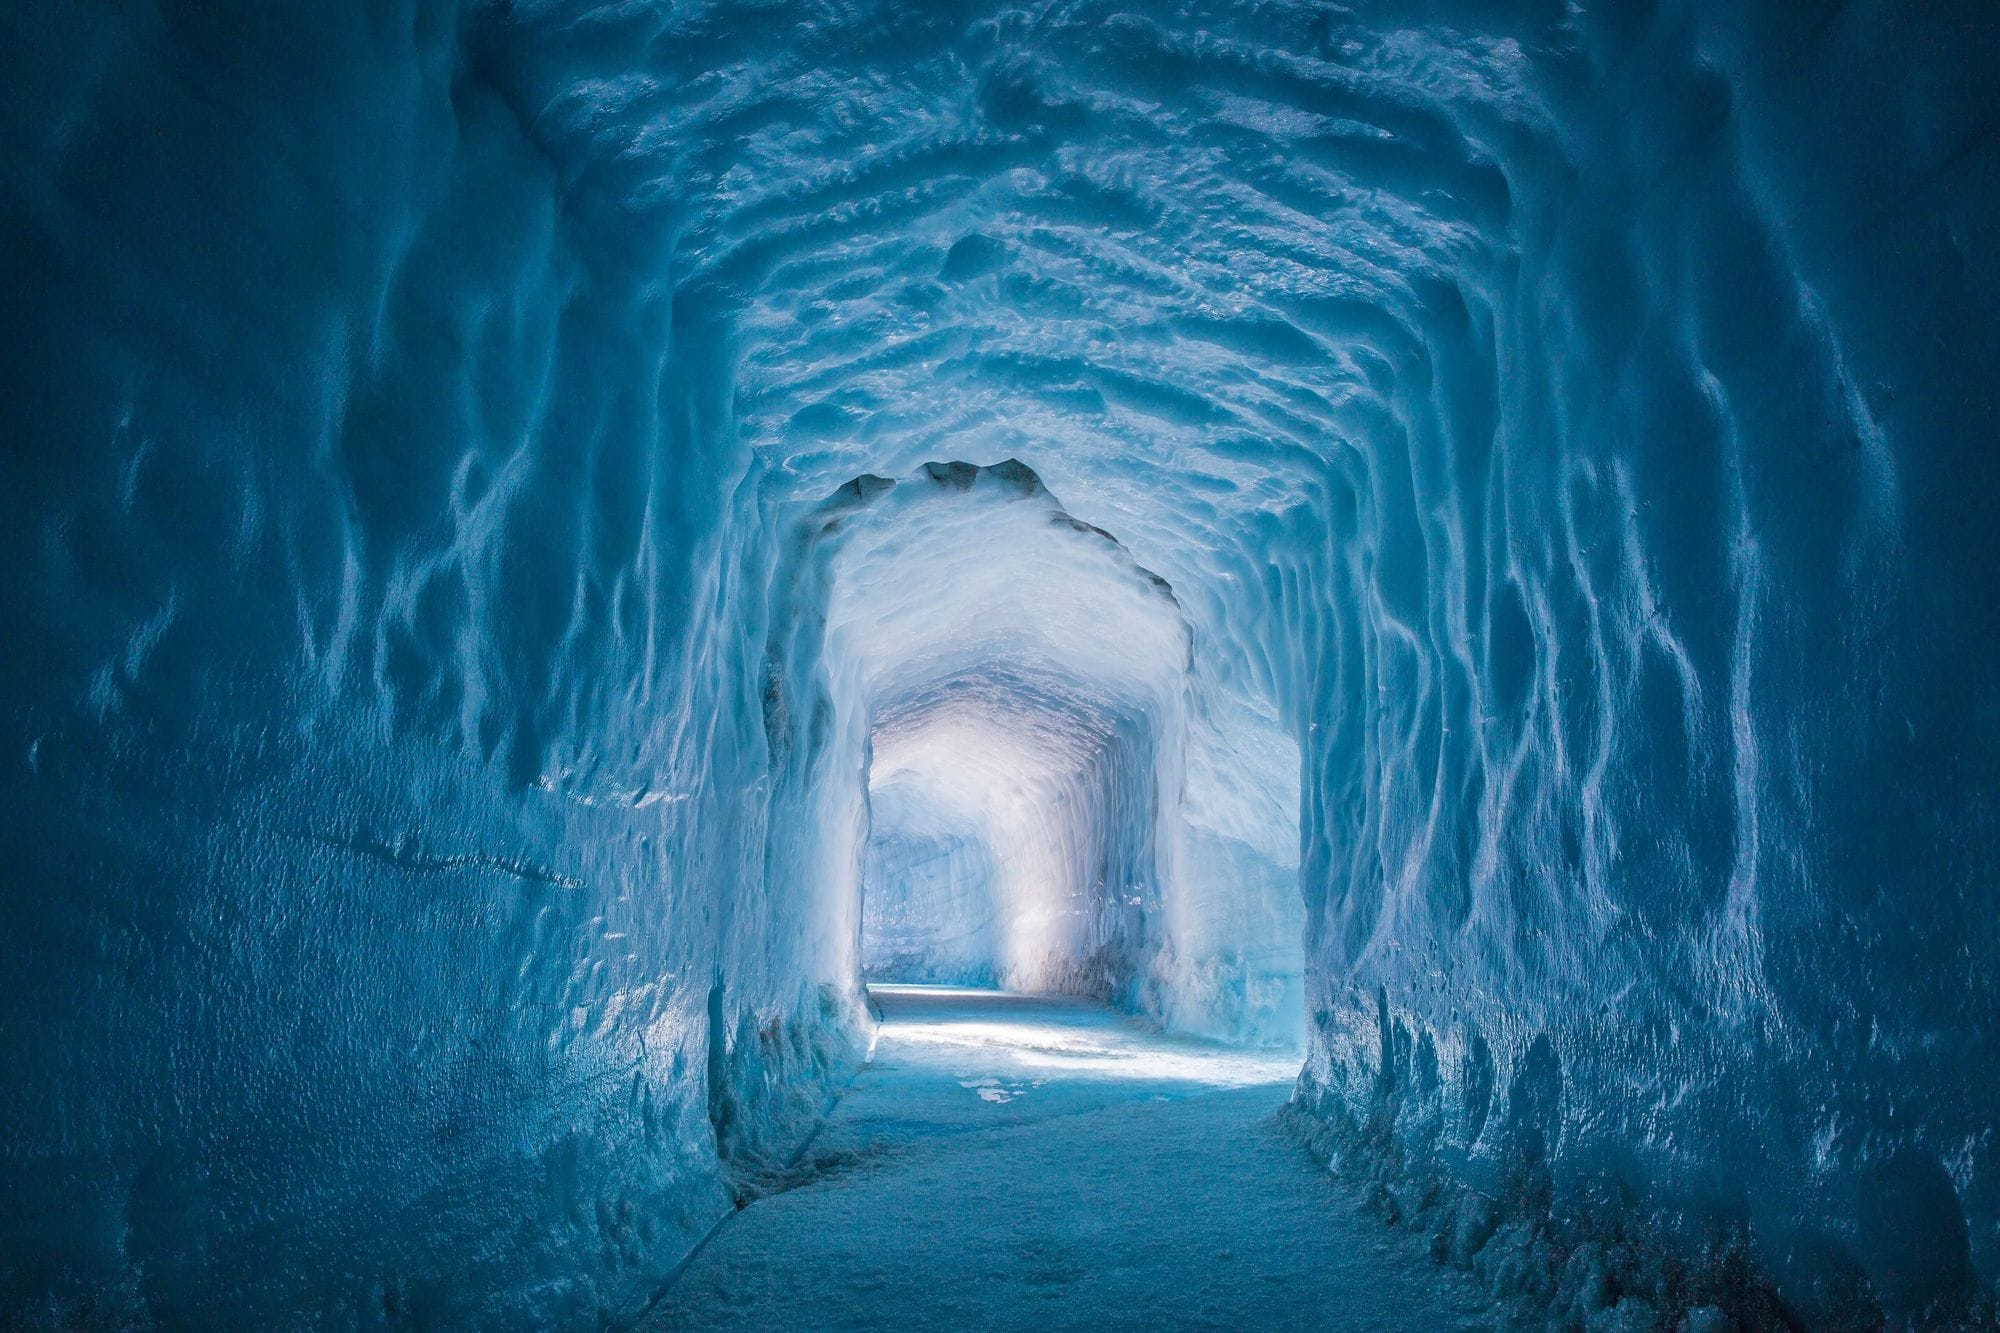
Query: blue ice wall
{"points": [[929, 905], [383, 861], [1655, 881], [436, 755]]}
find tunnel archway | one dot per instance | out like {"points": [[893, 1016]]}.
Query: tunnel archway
{"points": [[1005, 687], [437, 721]]}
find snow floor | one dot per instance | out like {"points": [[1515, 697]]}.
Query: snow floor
{"points": [[1016, 1162]]}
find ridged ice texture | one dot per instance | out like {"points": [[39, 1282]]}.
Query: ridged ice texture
{"points": [[1566, 430]]}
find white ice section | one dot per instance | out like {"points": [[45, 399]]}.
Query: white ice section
{"points": [[1019, 674], [1023, 689], [437, 739]]}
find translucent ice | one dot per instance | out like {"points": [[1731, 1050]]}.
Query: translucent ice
{"points": [[542, 540]]}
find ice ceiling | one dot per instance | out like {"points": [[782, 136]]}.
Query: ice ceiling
{"points": [[550, 537]]}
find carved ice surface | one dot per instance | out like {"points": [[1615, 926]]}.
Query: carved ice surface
{"points": [[544, 540]]}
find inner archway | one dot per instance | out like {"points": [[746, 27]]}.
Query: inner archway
{"points": [[1040, 807]]}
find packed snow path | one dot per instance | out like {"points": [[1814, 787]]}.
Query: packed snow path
{"points": [[1008, 1161]]}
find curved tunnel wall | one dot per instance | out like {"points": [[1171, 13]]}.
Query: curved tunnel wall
{"points": [[1568, 426]]}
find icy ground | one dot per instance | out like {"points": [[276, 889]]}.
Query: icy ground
{"points": [[1008, 1161]]}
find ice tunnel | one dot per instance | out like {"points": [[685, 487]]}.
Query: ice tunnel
{"points": [[547, 543]]}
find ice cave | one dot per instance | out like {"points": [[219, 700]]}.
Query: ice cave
{"points": [[923, 664]]}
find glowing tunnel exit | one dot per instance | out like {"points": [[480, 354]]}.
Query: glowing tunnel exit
{"points": [[1041, 806], [1014, 838]]}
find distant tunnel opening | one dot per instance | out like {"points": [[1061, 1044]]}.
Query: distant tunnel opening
{"points": [[1013, 840], [1036, 792], [929, 909]]}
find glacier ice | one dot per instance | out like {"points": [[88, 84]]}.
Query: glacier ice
{"points": [[544, 540]]}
